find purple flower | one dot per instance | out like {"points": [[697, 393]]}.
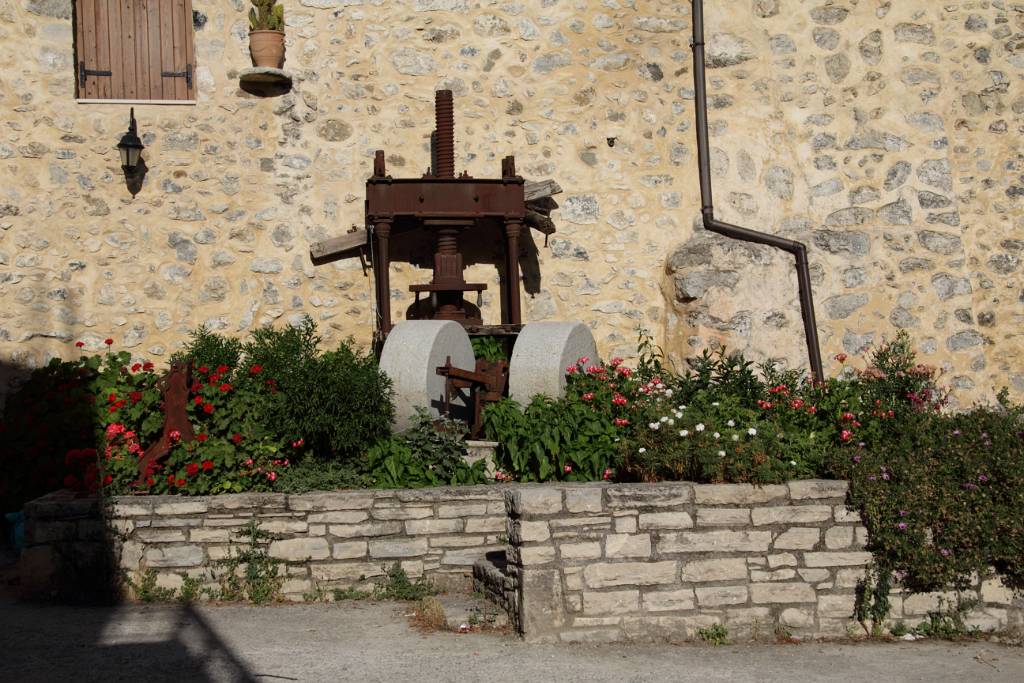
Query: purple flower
{"points": [[885, 475], [903, 513], [956, 432], [983, 478], [945, 552], [856, 458], [902, 526], [872, 477]]}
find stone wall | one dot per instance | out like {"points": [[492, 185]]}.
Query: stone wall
{"points": [[325, 540], [661, 561], [568, 562], [883, 134]]}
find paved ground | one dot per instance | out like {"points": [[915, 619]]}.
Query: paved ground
{"points": [[373, 642]]}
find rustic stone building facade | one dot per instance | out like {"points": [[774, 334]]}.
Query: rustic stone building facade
{"points": [[886, 135]]}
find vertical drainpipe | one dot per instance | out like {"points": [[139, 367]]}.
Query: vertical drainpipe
{"points": [[797, 249]]}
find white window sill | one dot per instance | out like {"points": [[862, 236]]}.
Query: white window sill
{"points": [[189, 103]]}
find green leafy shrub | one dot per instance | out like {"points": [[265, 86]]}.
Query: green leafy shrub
{"points": [[564, 440], [314, 474], [336, 402], [942, 501], [430, 453], [489, 348]]}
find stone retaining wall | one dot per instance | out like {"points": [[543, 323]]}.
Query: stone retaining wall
{"points": [[661, 561], [326, 540], [569, 562]]}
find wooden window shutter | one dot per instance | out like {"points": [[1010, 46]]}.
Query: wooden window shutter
{"points": [[134, 49]]}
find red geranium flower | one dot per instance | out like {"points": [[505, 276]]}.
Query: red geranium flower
{"points": [[136, 367], [208, 408], [237, 438], [225, 387], [256, 369], [112, 398], [180, 483], [202, 437], [192, 469], [108, 341], [198, 400], [79, 344], [221, 369], [136, 396], [147, 366], [203, 369], [170, 479], [207, 465]]}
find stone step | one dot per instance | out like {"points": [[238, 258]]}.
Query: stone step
{"points": [[464, 612], [493, 580]]}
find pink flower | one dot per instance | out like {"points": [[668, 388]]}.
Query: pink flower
{"points": [[249, 462], [271, 476], [619, 400], [583, 360], [175, 436], [589, 396], [568, 469], [620, 422], [624, 371], [845, 435], [607, 474], [571, 370], [841, 357], [615, 362]]}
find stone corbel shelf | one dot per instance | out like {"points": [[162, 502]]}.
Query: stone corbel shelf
{"points": [[264, 81]]}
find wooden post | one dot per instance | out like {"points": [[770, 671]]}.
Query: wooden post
{"points": [[512, 229], [382, 233]]}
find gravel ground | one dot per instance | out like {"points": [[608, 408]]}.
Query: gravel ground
{"points": [[374, 642]]}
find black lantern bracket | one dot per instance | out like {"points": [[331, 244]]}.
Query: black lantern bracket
{"points": [[130, 148]]}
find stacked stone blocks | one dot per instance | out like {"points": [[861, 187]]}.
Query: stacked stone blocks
{"points": [[324, 540], [662, 561], [568, 562]]}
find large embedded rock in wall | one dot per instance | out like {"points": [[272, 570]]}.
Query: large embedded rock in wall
{"points": [[884, 135], [733, 295]]}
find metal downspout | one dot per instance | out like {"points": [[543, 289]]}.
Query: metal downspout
{"points": [[797, 249]]}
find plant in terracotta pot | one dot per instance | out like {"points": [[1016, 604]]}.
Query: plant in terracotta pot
{"points": [[266, 33]]}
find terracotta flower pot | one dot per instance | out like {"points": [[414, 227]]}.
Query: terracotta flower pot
{"points": [[267, 48]]}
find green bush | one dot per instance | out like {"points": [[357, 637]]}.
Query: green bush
{"points": [[564, 440], [430, 453], [334, 402], [53, 425], [942, 502]]}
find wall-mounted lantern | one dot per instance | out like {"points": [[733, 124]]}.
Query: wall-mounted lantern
{"points": [[132, 164]]}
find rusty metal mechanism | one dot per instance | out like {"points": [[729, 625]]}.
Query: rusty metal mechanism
{"points": [[174, 387], [446, 222], [486, 384], [449, 209]]}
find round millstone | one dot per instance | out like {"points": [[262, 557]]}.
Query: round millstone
{"points": [[412, 353], [542, 353]]}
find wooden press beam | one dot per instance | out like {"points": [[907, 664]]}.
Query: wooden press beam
{"points": [[352, 243]]}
